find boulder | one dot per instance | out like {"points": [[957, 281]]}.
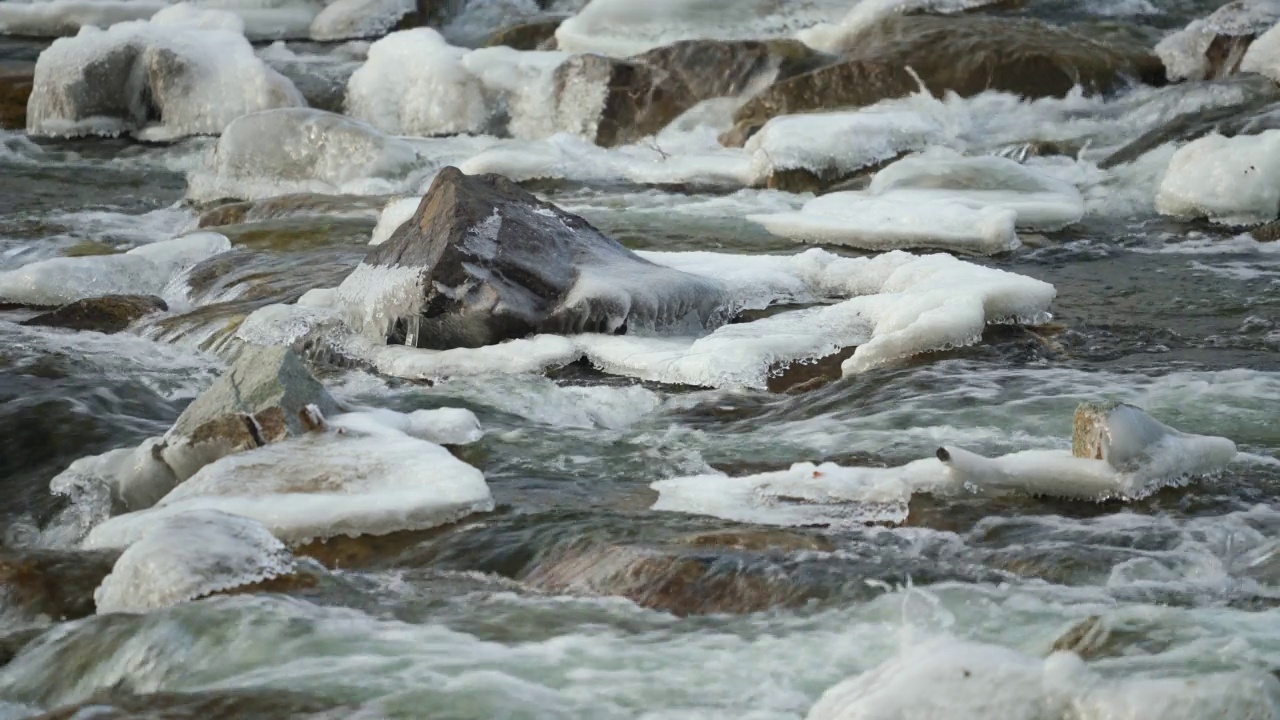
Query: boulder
{"points": [[356, 19], [1267, 233], [98, 87], [58, 584], [1214, 46], [616, 101], [966, 55], [483, 261], [12, 643], [107, 314], [537, 35], [266, 396], [16, 80]]}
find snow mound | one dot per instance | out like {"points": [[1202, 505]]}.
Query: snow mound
{"points": [[188, 556], [1232, 181]]}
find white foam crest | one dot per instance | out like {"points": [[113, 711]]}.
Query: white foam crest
{"points": [[353, 19], [197, 79], [146, 269], [836, 37], [443, 426], [620, 28], [190, 555], [304, 150], [1233, 181], [1184, 51], [320, 486], [967, 680]]}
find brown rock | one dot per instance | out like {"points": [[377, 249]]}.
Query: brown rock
{"points": [[290, 206], [537, 35], [759, 540], [206, 705], [55, 583], [16, 80], [1267, 233], [966, 55], [615, 101], [107, 314]]}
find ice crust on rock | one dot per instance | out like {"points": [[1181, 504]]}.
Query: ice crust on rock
{"points": [[190, 555], [1231, 181], [443, 426], [162, 79], [354, 19], [257, 19], [967, 680], [132, 478], [322, 485], [146, 269], [938, 199], [836, 37], [1128, 456], [298, 150], [1185, 52]]}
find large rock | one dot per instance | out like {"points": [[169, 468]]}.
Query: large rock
{"points": [[966, 55], [107, 314], [1213, 47], [58, 584], [614, 101], [483, 261], [16, 80], [266, 396]]}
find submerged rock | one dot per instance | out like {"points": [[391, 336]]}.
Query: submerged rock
{"points": [[965, 55], [12, 643], [290, 206], [107, 314], [483, 261], [266, 396], [615, 102], [58, 584]]}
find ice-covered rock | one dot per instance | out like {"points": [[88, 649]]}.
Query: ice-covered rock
{"points": [[442, 426], [257, 19], [125, 479], [266, 396], [145, 269], [974, 681], [190, 555], [157, 79], [838, 37], [937, 199], [1263, 55], [352, 19], [301, 150], [483, 261], [1232, 181], [53, 18], [320, 486], [1214, 46]]}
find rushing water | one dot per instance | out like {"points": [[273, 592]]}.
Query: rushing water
{"points": [[479, 620]]}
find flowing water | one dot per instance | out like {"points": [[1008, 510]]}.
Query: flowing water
{"points": [[493, 618]]}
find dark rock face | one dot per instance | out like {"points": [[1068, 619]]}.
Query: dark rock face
{"points": [[965, 55], [16, 80], [101, 89], [621, 101], [55, 583], [107, 314], [495, 263]]}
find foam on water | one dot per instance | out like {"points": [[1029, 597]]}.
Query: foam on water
{"points": [[146, 269], [304, 150], [1232, 181], [323, 485], [191, 555], [197, 79]]}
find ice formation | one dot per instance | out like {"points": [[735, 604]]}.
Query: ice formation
{"points": [[949, 679], [837, 37], [443, 426], [162, 79], [303, 150], [1121, 453], [395, 213], [322, 485], [352, 19], [1263, 55], [1232, 181], [127, 478], [937, 199], [1185, 52], [190, 555], [53, 18], [143, 270]]}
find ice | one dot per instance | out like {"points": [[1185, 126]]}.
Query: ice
{"points": [[323, 485], [624, 27], [1263, 55], [192, 16], [1184, 52], [352, 19], [837, 37], [144, 270], [304, 150], [190, 555], [397, 212], [945, 678], [840, 143], [937, 199], [52, 18], [125, 478], [163, 80], [1231, 181], [414, 83], [443, 426]]}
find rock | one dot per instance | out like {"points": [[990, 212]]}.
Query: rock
{"points": [[107, 314], [965, 55], [483, 261], [99, 88], [242, 704], [266, 396], [289, 206], [360, 19], [1214, 46], [58, 584], [537, 35], [12, 643], [16, 80], [1094, 638], [1267, 233], [616, 101], [759, 540]]}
